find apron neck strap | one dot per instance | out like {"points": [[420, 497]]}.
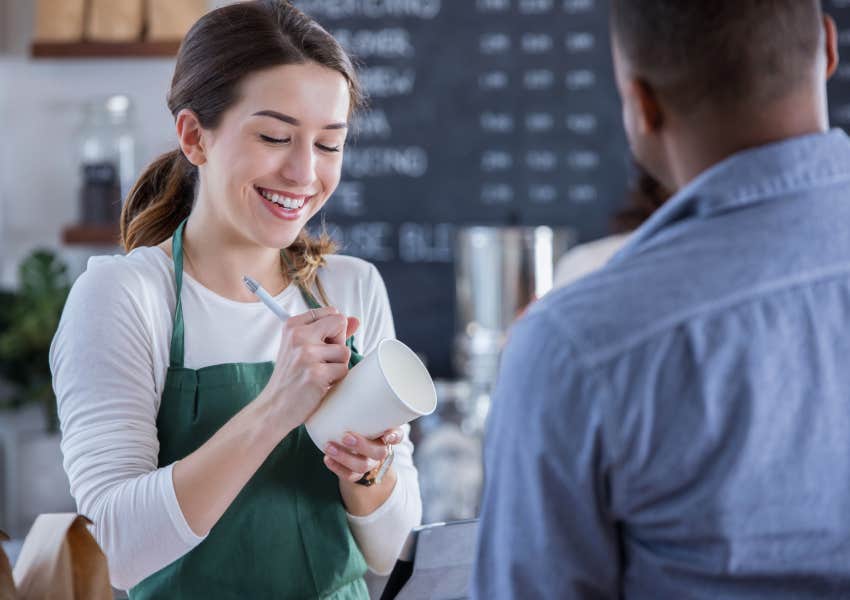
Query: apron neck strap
{"points": [[177, 348], [177, 333]]}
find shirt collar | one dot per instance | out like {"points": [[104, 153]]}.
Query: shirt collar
{"points": [[749, 177]]}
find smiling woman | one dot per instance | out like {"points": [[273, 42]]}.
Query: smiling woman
{"points": [[182, 402]]}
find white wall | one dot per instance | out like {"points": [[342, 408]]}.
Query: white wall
{"points": [[40, 110]]}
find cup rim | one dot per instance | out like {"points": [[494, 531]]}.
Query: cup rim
{"points": [[405, 348]]}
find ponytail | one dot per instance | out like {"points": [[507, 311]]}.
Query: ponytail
{"points": [[160, 200], [307, 254]]}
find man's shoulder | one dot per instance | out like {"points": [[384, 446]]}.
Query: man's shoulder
{"points": [[626, 302]]}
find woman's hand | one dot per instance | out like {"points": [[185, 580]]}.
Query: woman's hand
{"points": [[312, 357], [353, 458], [357, 455]]}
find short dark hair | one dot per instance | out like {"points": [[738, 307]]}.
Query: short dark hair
{"points": [[723, 52]]}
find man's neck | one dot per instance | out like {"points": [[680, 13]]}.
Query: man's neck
{"points": [[698, 142]]}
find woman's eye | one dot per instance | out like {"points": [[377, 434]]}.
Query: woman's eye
{"points": [[272, 140], [328, 148]]}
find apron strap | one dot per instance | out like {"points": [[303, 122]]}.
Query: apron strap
{"points": [[177, 352], [177, 349], [311, 301]]}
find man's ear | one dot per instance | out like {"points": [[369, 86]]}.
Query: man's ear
{"points": [[648, 113], [190, 137], [831, 41]]}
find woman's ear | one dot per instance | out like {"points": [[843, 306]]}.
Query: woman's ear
{"points": [[190, 137]]}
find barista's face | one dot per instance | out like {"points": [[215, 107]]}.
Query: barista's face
{"points": [[276, 156]]}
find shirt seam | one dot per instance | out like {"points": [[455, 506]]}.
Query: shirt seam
{"points": [[595, 358], [610, 439]]}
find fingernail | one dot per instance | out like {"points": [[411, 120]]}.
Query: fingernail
{"points": [[391, 438], [330, 449], [349, 440]]}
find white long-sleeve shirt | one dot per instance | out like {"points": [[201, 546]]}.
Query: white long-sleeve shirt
{"points": [[109, 360]]}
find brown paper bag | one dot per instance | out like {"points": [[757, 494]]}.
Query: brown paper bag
{"points": [[59, 20], [60, 560], [7, 584], [114, 20], [169, 20]]}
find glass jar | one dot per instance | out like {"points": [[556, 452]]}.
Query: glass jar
{"points": [[107, 158]]}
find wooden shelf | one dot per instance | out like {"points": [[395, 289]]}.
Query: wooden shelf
{"points": [[91, 235], [105, 49]]}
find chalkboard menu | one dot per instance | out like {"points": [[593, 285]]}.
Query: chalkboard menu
{"points": [[839, 86], [481, 112]]}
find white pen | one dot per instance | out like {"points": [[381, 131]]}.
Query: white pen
{"points": [[264, 296]]}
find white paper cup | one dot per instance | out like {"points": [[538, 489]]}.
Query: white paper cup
{"points": [[388, 388]]}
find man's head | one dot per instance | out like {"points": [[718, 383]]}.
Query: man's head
{"points": [[713, 63]]}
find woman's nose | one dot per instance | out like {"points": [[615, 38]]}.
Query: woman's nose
{"points": [[299, 166]]}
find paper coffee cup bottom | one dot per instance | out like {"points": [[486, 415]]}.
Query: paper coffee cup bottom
{"points": [[388, 388]]}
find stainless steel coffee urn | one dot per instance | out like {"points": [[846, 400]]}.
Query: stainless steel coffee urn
{"points": [[499, 271]]}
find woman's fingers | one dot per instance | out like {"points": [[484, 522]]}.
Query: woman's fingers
{"points": [[357, 444], [356, 464], [341, 471], [328, 325], [357, 455], [311, 315], [392, 436], [329, 329], [329, 353], [353, 325]]}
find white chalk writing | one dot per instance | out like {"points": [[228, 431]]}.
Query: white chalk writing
{"points": [[380, 162]]}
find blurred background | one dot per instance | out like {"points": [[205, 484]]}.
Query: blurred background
{"points": [[492, 147]]}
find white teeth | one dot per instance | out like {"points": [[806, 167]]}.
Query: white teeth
{"points": [[290, 203]]}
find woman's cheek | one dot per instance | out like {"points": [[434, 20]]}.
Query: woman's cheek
{"points": [[330, 173]]}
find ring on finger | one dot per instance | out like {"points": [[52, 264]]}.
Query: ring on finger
{"points": [[313, 315]]}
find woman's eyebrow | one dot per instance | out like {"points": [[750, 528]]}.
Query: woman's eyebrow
{"points": [[292, 120]]}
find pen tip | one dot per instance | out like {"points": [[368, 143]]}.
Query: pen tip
{"points": [[250, 283]]}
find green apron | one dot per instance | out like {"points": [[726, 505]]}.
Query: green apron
{"points": [[286, 534]]}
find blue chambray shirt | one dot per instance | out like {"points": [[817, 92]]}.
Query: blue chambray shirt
{"points": [[677, 425]]}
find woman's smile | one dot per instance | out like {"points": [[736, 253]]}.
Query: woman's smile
{"points": [[284, 205]]}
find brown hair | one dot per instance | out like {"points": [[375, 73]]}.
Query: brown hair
{"points": [[222, 48]]}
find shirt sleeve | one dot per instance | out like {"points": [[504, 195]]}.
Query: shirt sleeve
{"points": [[381, 534], [102, 362], [545, 530]]}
